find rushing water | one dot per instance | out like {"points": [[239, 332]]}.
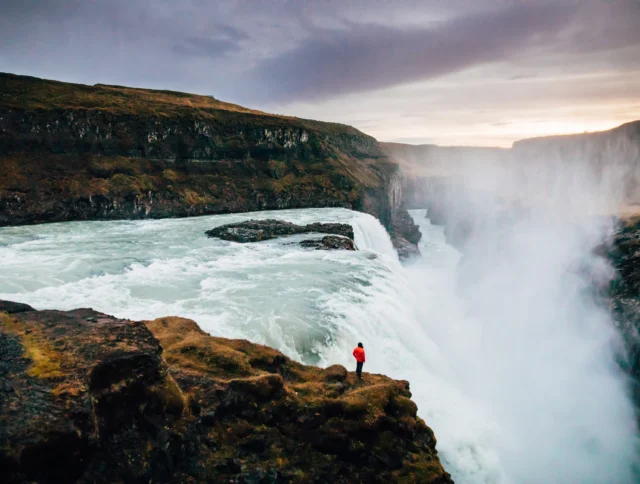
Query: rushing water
{"points": [[315, 306]]}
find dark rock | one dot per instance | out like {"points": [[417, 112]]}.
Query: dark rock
{"points": [[336, 373], [253, 477], [405, 249], [93, 409], [208, 419], [257, 230], [623, 251], [404, 226], [344, 230], [329, 242], [254, 230], [14, 307]]}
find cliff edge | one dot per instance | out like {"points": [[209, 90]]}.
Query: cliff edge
{"points": [[86, 397]]}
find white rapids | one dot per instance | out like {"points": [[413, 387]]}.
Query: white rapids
{"points": [[315, 306]]}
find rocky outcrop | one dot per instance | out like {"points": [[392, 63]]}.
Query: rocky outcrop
{"points": [[10, 307], [74, 152], [257, 230], [404, 233], [329, 242], [623, 251], [86, 397]]}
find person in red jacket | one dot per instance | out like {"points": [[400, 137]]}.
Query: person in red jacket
{"points": [[358, 353]]}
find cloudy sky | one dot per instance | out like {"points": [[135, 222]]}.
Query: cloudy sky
{"points": [[450, 72]]}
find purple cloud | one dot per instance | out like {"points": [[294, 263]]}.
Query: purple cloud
{"points": [[363, 57]]}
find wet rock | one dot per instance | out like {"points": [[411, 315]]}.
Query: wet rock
{"points": [[94, 408], [404, 226], [329, 242], [623, 251], [257, 230], [405, 249], [345, 230]]}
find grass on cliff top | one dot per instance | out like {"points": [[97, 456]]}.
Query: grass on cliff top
{"points": [[32, 93], [45, 360], [188, 348]]}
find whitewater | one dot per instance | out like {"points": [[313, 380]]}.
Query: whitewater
{"points": [[502, 413]]}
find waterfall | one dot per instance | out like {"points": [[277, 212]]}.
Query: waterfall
{"points": [[511, 396]]}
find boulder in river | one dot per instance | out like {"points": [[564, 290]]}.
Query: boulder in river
{"points": [[329, 242], [257, 230], [406, 250]]}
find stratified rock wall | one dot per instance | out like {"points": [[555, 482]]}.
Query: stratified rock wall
{"points": [[74, 152]]}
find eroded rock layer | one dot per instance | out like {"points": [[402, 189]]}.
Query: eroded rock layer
{"points": [[75, 152]]}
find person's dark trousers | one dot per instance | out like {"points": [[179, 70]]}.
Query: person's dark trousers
{"points": [[359, 368]]}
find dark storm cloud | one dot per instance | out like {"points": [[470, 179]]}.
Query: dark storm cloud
{"points": [[362, 57]]}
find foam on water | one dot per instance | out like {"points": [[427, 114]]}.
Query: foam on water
{"points": [[272, 292], [312, 305]]}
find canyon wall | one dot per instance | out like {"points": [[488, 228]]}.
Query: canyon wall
{"points": [[74, 152]]}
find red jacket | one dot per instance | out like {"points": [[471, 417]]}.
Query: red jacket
{"points": [[359, 354]]}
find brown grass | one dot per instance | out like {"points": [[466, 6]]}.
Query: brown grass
{"points": [[31, 93], [188, 347], [46, 362]]}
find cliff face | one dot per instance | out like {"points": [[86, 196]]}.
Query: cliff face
{"points": [[72, 152], [624, 293], [85, 397], [441, 161], [611, 157], [535, 167]]}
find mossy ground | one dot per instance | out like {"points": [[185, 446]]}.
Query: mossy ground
{"points": [[46, 362], [266, 411]]}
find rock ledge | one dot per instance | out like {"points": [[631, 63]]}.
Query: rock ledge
{"points": [[86, 397]]}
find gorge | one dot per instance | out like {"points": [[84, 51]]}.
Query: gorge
{"points": [[513, 358]]}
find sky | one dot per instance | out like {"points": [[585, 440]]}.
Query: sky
{"points": [[448, 72]]}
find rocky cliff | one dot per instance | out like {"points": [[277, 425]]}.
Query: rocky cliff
{"points": [[534, 167], [75, 152], [624, 292], [86, 397], [442, 161]]}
